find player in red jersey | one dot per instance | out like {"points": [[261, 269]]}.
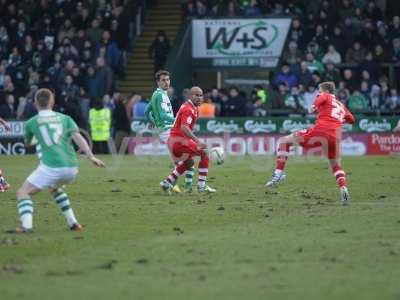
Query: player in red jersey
{"points": [[326, 132], [183, 145], [3, 183]]}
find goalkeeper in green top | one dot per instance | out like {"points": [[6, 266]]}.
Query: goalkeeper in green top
{"points": [[160, 114], [52, 132]]}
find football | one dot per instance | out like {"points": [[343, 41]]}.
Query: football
{"points": [[217, 155]]}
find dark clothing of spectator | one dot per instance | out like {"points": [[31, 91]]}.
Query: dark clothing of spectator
{"points": [[332, 75], [290, 79], [159, 51], [373, 69], [305, 77], [30, 110], [120, 118], [355, 56], [235, 107], [7, 112], [113, 54], [104, 81]]}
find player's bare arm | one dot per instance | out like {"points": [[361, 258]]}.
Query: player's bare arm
{"points": [[186, 130], [84, 147]]}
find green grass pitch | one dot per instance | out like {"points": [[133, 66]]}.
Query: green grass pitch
{"points": [[292, 242]]}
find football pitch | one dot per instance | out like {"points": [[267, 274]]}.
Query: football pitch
{"points": [[245, 242]]}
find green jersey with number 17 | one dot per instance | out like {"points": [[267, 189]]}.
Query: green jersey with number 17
{"points": [[53, 132]]}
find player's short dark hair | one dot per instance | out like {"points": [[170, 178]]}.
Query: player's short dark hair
{"points": [[43, 97], [161, 73], [328, 86]]}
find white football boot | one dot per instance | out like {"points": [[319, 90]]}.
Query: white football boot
{"points": [[344, 195], [277, 178], [166, 187]]}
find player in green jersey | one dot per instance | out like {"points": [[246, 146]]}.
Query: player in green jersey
{"points": [[159, 112], [4, 186], [52, 133]]}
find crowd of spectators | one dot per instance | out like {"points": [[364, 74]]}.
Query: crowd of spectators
{"points": [[353, 43], [76, 48]]}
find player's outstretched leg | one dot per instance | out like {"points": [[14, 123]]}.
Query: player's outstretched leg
{"points": [[25, 208], [189, 180], [281, 157], [62, 201], [203, 171], [340, 176], [168, 183], [4, 186]]}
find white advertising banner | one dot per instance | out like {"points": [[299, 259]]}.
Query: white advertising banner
{"points": [[239, 38], [17, 130]]}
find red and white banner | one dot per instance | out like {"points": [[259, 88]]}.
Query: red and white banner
{"points": [[352, 144], [383, 143]]}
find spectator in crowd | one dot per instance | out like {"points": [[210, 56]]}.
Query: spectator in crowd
{"points": [[293, 54], [232, 9], [304, 74], [332, 56], [396, 50], [69, 89], [100, 127], [376, 97], [159, 50], [112, 53], [139, 108], [261, 93], [251, 9], [94, 32], [313, 64], [365, 90], [296, 32], [379, 54], [120, 123], [84, 106], [286, 76], [258, 108], [295, 100], [207, 109], [104, 78], [201, 9], [338, 41], [394, 28], [392, 101], [216, 99], [180, 100], [355, 54], [309, 97], [7, 110], [349, 79], [357, 102], [279, 99], [173, 98], [343, 95], [332, 73], [371, 66], [235, 106]]}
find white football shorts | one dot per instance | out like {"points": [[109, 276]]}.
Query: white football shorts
{"points": [[165, 135], [46, 177]]}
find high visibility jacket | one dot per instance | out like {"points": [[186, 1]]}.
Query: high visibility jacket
{"points": [[100, 124]]}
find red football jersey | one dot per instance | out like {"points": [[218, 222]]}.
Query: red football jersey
{"points": [[187, 115], [331, 112]]}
